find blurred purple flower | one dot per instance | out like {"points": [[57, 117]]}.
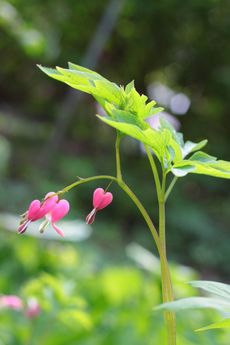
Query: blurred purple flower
{"points": [[154, 120]]}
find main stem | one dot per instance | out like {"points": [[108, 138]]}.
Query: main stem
{"points": [[159, 240], [167, 291]]}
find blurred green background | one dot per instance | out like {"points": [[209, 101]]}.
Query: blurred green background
{"points": [[178, 53]]}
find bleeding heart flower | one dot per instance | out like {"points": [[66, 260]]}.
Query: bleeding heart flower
{"points": [[11, 302], [33, 308], [101, 199], [51, 208]]}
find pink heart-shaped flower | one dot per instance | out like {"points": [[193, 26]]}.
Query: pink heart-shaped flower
{"points": [[101, 199]]}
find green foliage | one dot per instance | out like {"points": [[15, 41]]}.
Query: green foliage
{"points": [[126, 112], [173, 52], [202, 163], [88, 298], [120, 103], [222, 303]]}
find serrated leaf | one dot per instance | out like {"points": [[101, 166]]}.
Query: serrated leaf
{"points": [[220, 324], [104, 91], [196, 302], [220, 289]]}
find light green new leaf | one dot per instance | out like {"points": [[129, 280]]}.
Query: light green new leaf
{"points": [[220, 289], [196, 302], [221, 324], [99, 86], [79, 68], [85, 80], [129, 87], [128, 110], [103, 90], [202, 163]]}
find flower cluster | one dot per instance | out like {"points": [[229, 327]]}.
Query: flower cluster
{"points": [[52, 209], [31, 308]]}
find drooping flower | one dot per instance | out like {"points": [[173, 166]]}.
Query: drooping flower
{"points": [[51, 208], [33, 308], [11, 302], [101, 199]]}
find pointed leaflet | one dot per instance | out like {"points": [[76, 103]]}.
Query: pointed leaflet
{"points": [[190, 147], [85, 81], [202, 163], [99, 86]]}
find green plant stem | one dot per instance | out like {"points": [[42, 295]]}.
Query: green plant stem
{"points": [[167, 290], [85, 180], [161, 201], [154, 171], [118, 160], [170, 187]]}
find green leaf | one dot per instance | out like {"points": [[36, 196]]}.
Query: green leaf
{"points": [[189, 147], [196, 302], [127, 117], [183, 170], [202, 163], [129, 87], [220, 289], [202, 157], [220, 324], [83, 69], [87, 81], [128, 110], [147, 136]]}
